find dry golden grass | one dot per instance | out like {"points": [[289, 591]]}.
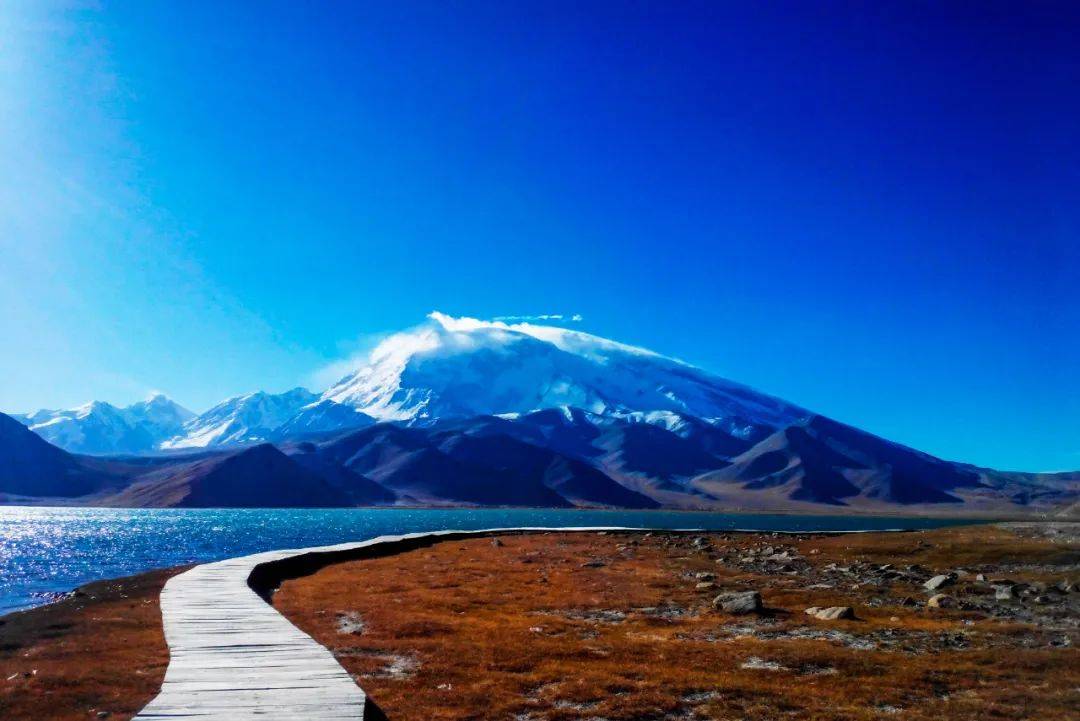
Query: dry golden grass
{"points": [[473, 630], [101, 651]]}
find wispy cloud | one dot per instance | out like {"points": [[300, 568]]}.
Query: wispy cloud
{"points": [[356, 354], [574, 318], [367, 348]]}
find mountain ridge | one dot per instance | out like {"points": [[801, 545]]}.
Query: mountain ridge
{"points": [[461, 411], [493, 461]]}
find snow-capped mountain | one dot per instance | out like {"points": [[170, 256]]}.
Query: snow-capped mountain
{"points": [[466, 412], [102, 428], [445, 368], [251, 418], [459, 367], [159, 415]]}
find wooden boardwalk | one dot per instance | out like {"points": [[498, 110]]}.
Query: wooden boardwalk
{"points": [[232, 656]]}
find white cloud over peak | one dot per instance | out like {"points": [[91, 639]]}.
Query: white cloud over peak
{"points": [[573, 318]]}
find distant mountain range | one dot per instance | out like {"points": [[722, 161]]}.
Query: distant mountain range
{"points": [[465, 412], [102, 428]]}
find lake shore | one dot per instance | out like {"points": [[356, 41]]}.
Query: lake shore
{"points": [[556, 626], [49, 551]]}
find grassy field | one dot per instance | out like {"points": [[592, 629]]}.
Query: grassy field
{"points": [[99, 651], [563, 626]]}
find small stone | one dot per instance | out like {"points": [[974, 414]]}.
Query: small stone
{"points": [[705, 586], [705, 576], [593, 564], [103, 714], [940, 581], [496, 542], [941, 600], [738, 602]]}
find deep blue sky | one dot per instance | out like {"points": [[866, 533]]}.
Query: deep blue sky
{"points": [[872, 210]]}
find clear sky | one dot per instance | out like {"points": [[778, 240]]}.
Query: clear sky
{"points": [[869, 209]]}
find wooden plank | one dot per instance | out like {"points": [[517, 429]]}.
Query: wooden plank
{"points": [[232, 656]]}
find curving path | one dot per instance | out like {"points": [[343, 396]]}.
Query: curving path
{"points": [[232, 656]]}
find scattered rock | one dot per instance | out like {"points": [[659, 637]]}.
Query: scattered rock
{"points": [[1004, 593], [593, 564], [940, 581], [705, 586], [738, 602], [941, 600], [496, 542], [831, 613]]}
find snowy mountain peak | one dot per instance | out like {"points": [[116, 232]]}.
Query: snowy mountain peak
{"points": [[449, 367], [249, 418]]}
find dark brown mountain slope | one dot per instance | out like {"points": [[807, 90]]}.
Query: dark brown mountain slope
{"points": [[257, 477], [31, 467]]}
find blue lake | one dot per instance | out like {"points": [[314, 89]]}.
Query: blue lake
{"points": [[49, 550]]}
